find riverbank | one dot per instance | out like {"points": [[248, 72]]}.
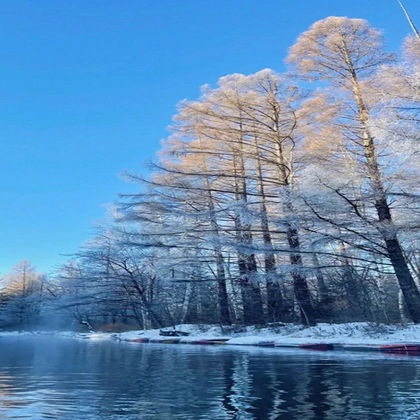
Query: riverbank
{"points": [[355, 336]]}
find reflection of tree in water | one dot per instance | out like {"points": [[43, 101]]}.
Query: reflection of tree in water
{"points": [[107, 380], [297, 387], [13, 360], [7, 399], [227, 401]]}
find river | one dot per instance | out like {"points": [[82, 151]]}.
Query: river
{"points": [[44, 377]]}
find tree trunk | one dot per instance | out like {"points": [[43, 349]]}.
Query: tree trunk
{"points": [[275, 301], [223, 300], [322, 287], [247, 265], [323, 293], [300, 285]]}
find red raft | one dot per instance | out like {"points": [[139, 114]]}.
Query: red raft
{"points": [[308, 346], [411, 349], [165, 340]]}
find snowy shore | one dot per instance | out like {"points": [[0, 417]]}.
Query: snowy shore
{"points": [[355, 333]]}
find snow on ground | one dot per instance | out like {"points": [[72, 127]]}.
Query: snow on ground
{"points": [[347, 333]]}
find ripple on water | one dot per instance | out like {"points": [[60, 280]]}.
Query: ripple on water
{"points": [[56, 378]]}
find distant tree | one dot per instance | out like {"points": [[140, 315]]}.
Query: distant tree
{"points": [[23, 293]]}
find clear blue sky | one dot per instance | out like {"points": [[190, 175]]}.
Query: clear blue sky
{"points": [[89, 86]]}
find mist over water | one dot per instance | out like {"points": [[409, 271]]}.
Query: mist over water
{"points": [[45, 377]]}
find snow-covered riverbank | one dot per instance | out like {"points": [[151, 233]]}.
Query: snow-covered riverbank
{"points": [[289, 334]]}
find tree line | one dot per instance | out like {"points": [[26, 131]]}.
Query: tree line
{"points": [[276, 198]]}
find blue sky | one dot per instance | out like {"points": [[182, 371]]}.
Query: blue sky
{"points": [[88, 88]]}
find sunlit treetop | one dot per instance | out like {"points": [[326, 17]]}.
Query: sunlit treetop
{"points": [[334, 46]]}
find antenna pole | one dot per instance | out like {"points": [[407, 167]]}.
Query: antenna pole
{"points": [[413, 27]]}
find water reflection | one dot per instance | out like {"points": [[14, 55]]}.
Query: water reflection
{"points": [[53, 378]]}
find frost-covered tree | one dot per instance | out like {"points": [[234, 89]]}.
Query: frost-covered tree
{"points": [[22, 295], [346, 54], [267, 204]]}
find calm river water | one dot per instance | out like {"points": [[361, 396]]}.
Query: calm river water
{"points": [[43, 377]]}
